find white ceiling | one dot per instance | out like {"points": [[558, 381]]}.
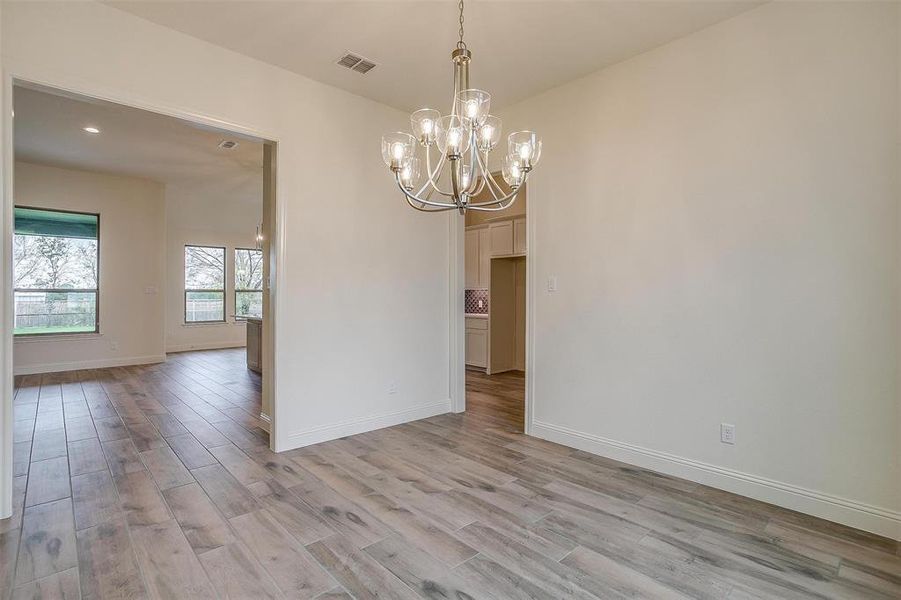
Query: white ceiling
{"points": [[520, 48], [133, 142]]}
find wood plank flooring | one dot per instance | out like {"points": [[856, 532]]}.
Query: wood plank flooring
{"points": [[498, 399], [157, 482]]}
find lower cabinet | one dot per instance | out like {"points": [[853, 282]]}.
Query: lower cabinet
{"points": [[477, 348], [255, 345], [477, 342]]}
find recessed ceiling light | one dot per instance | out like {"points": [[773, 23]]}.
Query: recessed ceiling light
{"points": [[91, 129]]}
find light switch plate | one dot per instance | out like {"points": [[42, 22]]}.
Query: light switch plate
{"points": [[552, 283]]}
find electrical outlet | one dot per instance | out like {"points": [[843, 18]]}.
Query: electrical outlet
{"points": [[552, 283], [114, 346], [392, 387], [727, 433]]}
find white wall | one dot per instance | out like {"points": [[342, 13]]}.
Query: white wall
{"points": [[200, 213], [722, 217], [363, 288], [132, 234]]}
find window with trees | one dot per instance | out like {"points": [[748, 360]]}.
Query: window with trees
{"points": [[248, 283], [55, 272], [204, 284]]}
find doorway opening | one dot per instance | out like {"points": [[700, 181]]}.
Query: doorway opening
{"points": [[495, 262], [144, 272]]}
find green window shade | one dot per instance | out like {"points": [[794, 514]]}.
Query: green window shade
{"points": [[33, 221]]}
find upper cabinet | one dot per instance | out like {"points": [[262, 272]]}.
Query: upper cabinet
{"points": [[478, 257], [501, 235], [472, 258], [519, 236], [484, 258], [499, 238]]}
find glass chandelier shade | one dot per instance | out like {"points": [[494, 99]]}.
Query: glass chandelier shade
{"points": [[474, 105], [512, 173], [457, 151], [525, 147], [397, 149], [425, 125], [453, 136], [489, 134], [409, 173]]}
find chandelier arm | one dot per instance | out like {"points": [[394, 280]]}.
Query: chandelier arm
{"points": [[484, 171], [489, 179], [432, 179], [481, 186], [473, 161], [511, 195], [428, 210], [482, 206], [498, 186], [427, 202]]}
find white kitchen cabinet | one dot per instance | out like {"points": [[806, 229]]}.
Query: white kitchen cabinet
{"points": [[477, 347], [501, 236], [476, 323], [484, 258], [477, 258], [473, 259], [519, 236]]}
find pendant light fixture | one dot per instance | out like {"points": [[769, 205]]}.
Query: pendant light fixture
{"points": [[462, 141]]}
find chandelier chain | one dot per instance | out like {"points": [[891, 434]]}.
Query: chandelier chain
{"points": [[461, 44]]}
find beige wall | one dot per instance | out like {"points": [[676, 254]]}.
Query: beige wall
{"points": [[721, 214], [132, 220]]}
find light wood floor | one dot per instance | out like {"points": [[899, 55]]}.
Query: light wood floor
{"points": [[157, 482], [497, 400]]}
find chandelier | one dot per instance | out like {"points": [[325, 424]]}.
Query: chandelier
{"points": [[462, 141]]}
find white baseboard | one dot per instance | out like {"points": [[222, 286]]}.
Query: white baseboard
{"points": [[266, 421], [326, 433], [856, 514], [204, 346], [99, 363]]}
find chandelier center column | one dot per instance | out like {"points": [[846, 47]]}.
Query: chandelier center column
{"points": [[461, 58]]}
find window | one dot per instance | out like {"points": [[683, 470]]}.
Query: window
{"points": [[204, 284], [55, 272], [248, 283]]}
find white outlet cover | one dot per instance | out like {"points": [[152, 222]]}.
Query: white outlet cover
{"points": [[552, 283], [727, 433]]}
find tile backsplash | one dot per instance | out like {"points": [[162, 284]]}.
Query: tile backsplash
{"points": [[472, 299]]}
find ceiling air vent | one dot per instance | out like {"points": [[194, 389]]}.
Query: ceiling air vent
{"points": [[356, 63], [228, 144]]}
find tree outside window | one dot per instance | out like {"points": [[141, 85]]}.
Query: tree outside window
{"points": [[204, 284], [55, 272], [248, 283]]}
